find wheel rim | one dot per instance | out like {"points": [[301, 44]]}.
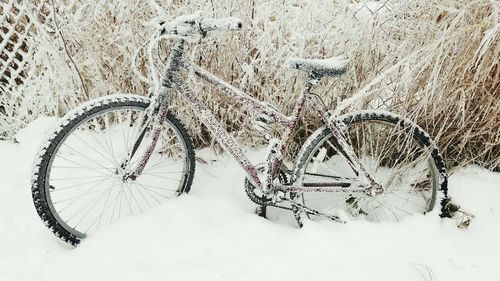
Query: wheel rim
{"points": [[410, 182], [83, 183]]}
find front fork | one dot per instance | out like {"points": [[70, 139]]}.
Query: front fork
{"points": [[155, 114]]}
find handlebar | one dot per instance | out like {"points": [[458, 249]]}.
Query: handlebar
{"points": [[188, 24]]}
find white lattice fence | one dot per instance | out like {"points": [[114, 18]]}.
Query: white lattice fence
{"points": [[15, 58], [19, 42]]}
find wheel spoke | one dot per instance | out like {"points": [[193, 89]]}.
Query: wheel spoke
{"points": [[84, 179], [394, 157]]}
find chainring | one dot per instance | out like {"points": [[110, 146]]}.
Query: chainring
{"points": [[256, 195]]}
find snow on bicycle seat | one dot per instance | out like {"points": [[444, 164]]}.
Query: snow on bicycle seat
{"points": [[333, 66]]}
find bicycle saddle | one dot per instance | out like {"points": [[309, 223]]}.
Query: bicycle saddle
{"points": [[334, 66]]}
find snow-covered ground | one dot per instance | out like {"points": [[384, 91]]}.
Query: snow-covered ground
{"points": [[212, 234]]}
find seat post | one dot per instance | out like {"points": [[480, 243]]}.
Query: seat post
{"points": [[313, 76]]}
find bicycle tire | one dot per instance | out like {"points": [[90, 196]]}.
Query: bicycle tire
{"points": [[41, 181], [417, 134]]}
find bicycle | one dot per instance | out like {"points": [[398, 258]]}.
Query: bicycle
{"points": [[121, 154]]}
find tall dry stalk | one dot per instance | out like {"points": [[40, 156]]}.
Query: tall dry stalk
{"points": [[433, 61]]}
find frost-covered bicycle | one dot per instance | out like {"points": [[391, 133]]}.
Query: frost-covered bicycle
{"points": [[122, 154]]}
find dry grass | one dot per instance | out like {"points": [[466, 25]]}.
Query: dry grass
{"points": [[435, 62]]}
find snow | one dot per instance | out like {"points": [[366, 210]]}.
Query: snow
{"points": [[212, 234]]}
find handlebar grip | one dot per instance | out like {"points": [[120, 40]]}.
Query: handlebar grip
{"points": [[228, 24]]}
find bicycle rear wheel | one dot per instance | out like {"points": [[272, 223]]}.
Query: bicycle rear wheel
{"points": [[396, 152], [78, 183]]}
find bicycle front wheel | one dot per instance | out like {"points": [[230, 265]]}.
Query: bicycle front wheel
{"points": [[79, 182], [396, 152]]}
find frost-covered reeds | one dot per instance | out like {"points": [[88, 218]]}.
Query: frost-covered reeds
{"points": [[436, 62]]}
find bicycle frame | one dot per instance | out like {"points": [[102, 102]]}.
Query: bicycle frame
{"points": [[174, 82]]}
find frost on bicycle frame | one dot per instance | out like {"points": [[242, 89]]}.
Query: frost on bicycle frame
{"points": [[173, 81], [267, 184]]}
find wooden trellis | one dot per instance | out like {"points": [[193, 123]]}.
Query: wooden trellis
{"points": [[18, 27]]}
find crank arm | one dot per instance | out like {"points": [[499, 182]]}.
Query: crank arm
{"points": [[313, 212]]}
